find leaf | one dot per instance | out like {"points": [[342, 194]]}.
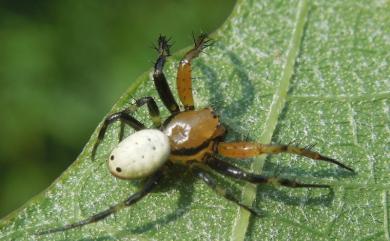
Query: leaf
{"points": [[307, 71]]}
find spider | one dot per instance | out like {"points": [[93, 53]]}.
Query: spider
{"points": [[189, 137]]}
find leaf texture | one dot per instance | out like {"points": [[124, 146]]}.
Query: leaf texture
{"points": [[296, 71]]}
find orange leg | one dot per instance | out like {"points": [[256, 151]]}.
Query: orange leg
{"points": [[251, 149], [184, 79]]}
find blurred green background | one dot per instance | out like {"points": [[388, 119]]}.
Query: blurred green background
{"points": [[62, 66]]}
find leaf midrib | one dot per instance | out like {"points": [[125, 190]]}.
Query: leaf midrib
{"points": [[278, 103]]}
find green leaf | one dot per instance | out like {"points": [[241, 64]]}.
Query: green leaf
{"points": [[313, 71]]}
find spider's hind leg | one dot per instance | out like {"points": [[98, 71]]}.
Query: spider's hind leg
{"points": [[184, 79], [235, 172]]}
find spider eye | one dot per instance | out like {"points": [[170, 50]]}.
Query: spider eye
{"points": [[118, 169], [112, 157]]}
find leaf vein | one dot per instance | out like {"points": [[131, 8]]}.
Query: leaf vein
{"points": [[386, 216], [277, 105], [374, 97]]}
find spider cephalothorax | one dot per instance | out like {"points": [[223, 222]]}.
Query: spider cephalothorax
{"points": [[189, 137]]}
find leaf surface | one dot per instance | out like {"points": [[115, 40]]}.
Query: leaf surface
{"points": [[303, 71]]}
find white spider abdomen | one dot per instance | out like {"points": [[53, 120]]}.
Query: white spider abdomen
{"points": [[140, 154]]}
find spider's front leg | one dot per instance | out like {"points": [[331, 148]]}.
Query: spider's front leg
{"points": [[184, 79], [159, 79], [250, 149], [149, 185]]}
